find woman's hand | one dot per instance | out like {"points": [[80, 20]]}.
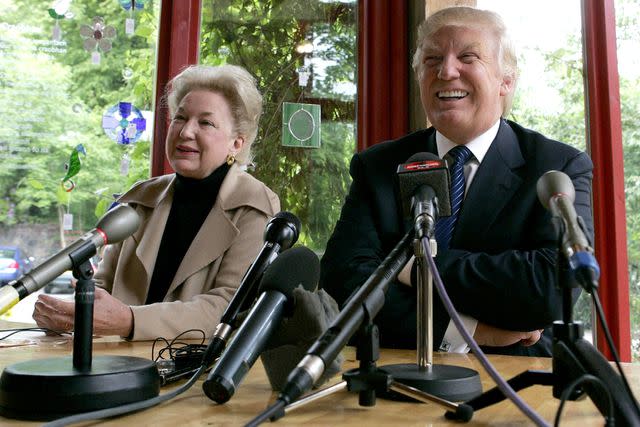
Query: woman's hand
{"points": [[110, 315], [53, 313]]}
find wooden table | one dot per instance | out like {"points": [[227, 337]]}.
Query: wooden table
{"points": [[193, 408]]}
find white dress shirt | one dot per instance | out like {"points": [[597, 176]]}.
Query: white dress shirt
{"points": [[453, 341]]}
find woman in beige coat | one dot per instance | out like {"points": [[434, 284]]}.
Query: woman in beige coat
{"points": [[201, 227]]}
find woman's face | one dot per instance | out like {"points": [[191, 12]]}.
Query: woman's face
{"points": [[201, 134]]}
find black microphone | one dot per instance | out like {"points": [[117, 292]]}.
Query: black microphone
{"points": [[557, 194], [280, 233], [312, 315], [424, 190], [297, 266], [114, 226], [365, 302]]}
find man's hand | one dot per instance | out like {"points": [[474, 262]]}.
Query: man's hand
{"points": [[110, 315], [496, 337]]}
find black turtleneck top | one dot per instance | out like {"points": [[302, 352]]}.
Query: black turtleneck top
{"points": [[192, 202]]}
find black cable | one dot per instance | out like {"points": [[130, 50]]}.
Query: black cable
{"points": [[18, 330], [183, 354], [616, 358], [590, 379]]}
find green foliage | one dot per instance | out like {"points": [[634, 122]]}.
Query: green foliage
{"points": [[262, 36], [567, 123], [68, 97]]}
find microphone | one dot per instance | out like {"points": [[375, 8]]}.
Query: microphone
{"points": [[557, 194], [298, 266], [280, 233], [114, 226], [366, 302], [424, 190], [312, 315]]}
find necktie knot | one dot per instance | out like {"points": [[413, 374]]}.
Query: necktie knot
{"points": [[460, 154]]}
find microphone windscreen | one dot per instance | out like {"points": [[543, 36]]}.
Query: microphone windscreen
{"points": [[424, 169], [119, 223], [284, 229], [295, 267], [312, 315], [552, 183]]}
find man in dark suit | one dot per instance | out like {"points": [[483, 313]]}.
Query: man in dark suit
{"points": [[499, 266]]}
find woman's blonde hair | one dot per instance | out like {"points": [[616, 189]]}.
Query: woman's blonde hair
{"points": [[236, 85]]}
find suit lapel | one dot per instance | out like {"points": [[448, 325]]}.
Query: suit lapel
{"points": [[493, 186]]}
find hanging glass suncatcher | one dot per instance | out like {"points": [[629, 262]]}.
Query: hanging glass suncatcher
{"points": [[131, 6], [59, 10], [73, 168], [97, 38], [124, 123]]}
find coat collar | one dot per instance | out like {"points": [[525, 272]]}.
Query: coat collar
{"points": [[217, 231]]}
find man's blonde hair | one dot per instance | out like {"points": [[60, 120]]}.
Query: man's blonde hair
{"points": [[464, 16]]}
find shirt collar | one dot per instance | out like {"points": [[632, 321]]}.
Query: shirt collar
{"points": [[478, 146]]}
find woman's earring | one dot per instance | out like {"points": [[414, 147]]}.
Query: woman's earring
{"points": [[231, 158]]}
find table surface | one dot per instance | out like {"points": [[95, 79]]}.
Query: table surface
{"points": [[193, 408]]}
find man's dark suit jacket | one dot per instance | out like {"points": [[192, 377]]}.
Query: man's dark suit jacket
{"points": [[500, 268]]}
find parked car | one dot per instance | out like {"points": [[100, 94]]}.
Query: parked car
{"points": [[60, 285], [14, 262]]}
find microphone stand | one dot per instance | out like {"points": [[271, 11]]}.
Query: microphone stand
{"points": [[446, 381], [575, 361], [46, 389], [368, 380]]}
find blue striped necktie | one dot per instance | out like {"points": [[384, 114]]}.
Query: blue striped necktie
{"points": [[444, 227]]}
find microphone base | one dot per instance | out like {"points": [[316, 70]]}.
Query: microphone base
{"points": [[454, 383], [46, 389]]}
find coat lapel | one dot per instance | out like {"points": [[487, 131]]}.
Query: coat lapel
{"points": [[149, 237], [213, 239], [154, 199], [215, 235], [493, 186]]}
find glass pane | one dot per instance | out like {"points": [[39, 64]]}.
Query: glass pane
{"points": [[77, 96], [550, 92], [628, 38], [301, 52]]}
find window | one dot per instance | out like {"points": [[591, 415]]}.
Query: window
{"points": [[301, 53], [77, 90], [628, 39]]}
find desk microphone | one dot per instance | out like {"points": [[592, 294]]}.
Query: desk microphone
{"points": [[280, 233], [62, 386], [295, 267], [557, 194], [114, 226], [424, 190]]}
